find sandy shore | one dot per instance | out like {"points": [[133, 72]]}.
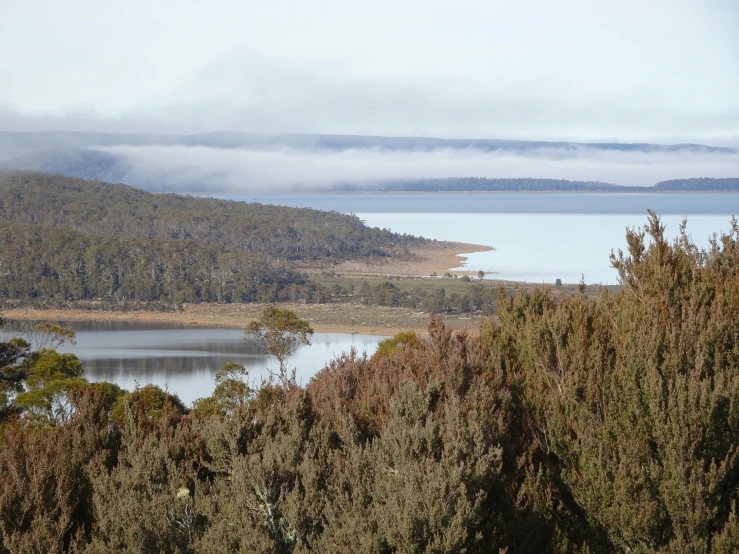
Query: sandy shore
{"points": [[419, 261]]}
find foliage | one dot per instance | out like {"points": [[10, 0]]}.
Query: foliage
{"points": [[232, 392], [476, 297], [47, 266], [398, 342], [605, 424], [39, 382], [105, 210], [67, 240], [147, 405], [279, 331]]}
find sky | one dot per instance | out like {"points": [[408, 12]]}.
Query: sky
{"points": [[626, 70]]}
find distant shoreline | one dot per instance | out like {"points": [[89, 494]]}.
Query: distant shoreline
{"points": [[256, 195], [344, 318]]}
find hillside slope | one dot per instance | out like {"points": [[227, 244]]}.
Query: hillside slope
{"points": [[103, 209], [66, 240]]}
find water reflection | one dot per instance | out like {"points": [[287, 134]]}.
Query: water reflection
{"points": [[185, 359]]}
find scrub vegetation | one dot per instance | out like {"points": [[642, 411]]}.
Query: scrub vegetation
{"points": [[605, 423]]}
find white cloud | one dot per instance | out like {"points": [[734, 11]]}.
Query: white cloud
{"points": [[281, 169], [479, 68]]}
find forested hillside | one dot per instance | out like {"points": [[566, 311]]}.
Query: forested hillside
{"points": [[590, 424], [46, 266], [66, 239], [699, 184], [103, 209]]}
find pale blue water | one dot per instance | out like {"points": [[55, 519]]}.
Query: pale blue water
{"points": [[537, 237], [186, 359], [542, 248]]}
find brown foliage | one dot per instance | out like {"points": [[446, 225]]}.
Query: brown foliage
{"points": [[581, 425]]}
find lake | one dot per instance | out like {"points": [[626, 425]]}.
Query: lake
{"points": [[185, 359], [538, 237]]}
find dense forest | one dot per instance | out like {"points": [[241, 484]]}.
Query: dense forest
{"points": [[103, 209], [585, 424], [46, 266], [66, 240]]}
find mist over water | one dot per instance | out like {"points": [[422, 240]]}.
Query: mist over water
{"points": [[286, 169]]}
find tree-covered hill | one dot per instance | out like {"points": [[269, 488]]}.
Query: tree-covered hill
{"points": [[74, 162], [48, 266], [699, 184], [66, 240], [95, 208]]}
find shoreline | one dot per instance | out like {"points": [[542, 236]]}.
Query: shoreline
{"points": [[347, 319], [336, 317], [418, 261], [322, 192]]}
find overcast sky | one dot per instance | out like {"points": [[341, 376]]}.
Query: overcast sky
{"points": [[574, 69]]}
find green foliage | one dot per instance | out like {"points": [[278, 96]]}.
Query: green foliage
{"points": [[147, 405], [473, 298], [101, 209], [52, 377], [636, 396], [39, 383], [232, 392], [67, 240], [279, 331], [401, 340]]}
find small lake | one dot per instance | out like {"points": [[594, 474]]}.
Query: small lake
{"points": [[185, 359]]}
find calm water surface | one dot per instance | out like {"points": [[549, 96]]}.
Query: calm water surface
{"points": [[186, 359], [542, 247], [537, 237]]}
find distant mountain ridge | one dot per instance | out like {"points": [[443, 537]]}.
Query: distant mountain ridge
{"points": [[75, 162], [86, 156], [14, 144], [475, 184]]}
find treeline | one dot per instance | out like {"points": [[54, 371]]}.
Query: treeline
{"points": [[699, 184], [477, 298], [44, 266], [606, 424], [66, 240], [102, 209], [480, 184]]}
